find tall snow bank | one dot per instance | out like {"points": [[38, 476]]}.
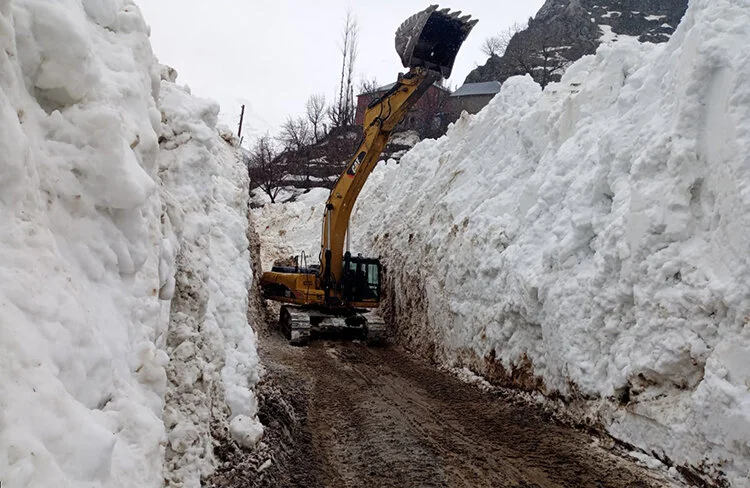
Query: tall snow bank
{"points": [[214, 363], [81, 380], [101, 230], [594, 239]]}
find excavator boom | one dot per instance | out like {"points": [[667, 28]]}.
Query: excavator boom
{"points": [[427, 43]]}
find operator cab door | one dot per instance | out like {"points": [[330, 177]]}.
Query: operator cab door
{"points": [[361, 279]]}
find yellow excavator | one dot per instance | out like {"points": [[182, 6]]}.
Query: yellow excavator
{"points": [[341, 292]]}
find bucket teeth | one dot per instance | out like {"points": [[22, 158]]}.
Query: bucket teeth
{"points": [[431, 39], [468, 24]]}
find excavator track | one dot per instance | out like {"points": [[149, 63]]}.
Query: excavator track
{"points": [[299, 325], [295, 324], [374, 329]]}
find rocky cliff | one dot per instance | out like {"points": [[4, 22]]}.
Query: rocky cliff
{"points": [[565, 30]]}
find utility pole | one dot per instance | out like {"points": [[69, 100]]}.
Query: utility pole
{"points": [[242, 116]]}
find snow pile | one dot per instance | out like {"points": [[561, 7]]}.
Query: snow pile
{"points": [[593, 239], [81, 380], [212, 349], [91, 241], [230, 280]]}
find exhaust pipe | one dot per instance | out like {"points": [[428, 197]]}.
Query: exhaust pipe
{"points": [[431, 39]]}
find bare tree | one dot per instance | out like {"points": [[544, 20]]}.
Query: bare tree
{"points": [[497, 44], [342, 112], [264, 169], [539, 56], [368, 86], [432, 116], [296, 134], [315, 111], [493, 46]]}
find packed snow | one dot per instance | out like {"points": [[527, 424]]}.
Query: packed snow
{"points": [[593, 239], [97, 232], [213, 359]]}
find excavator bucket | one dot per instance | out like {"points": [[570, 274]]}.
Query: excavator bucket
{"points": [[431, 39]]}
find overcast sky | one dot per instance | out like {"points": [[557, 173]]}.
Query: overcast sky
{"points": [[272, 55]]}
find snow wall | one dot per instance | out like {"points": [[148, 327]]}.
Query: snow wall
{"points": [[593, 240], [124, 265]]}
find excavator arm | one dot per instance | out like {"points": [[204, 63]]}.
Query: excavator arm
{"points": [[381, 118], [427, 43]]}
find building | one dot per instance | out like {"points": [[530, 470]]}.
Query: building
{"points": [[472, 97]]}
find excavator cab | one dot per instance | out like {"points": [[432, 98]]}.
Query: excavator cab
{"points": [[361, 280]]}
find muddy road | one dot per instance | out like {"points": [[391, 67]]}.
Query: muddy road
{"points": [[344, 415]]}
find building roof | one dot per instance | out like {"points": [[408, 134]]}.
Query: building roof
{"points": [[383, 88], [387, 87], [472, 89]]}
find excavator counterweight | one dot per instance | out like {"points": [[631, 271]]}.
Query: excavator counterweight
{"points": [[342, 290]]}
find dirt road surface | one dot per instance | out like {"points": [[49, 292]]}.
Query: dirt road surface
{"points": [[345, 415]]}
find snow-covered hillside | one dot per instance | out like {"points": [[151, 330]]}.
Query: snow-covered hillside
{"points": [[593, 239], [292, 228], [101, 227]]}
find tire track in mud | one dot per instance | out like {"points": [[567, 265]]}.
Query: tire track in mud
{"points": [[380, 418]]}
